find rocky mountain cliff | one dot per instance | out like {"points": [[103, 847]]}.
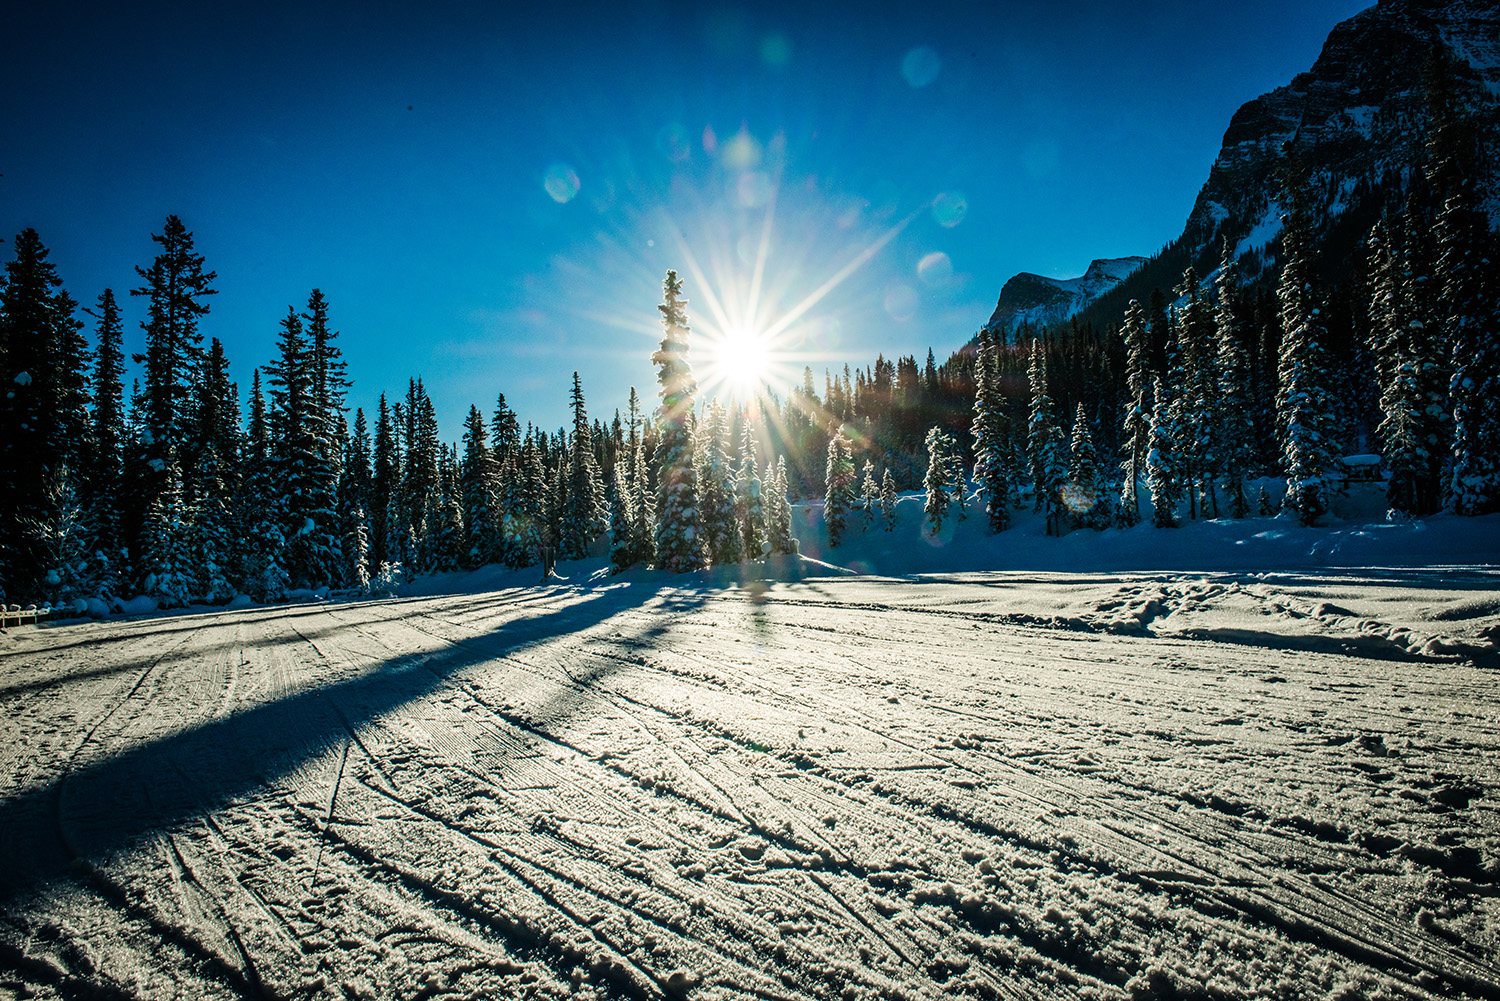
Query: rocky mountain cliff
{"points": [[1034, 299], [1356, 127]]}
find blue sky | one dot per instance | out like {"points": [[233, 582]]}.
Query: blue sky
{"points": [[488, 195]]}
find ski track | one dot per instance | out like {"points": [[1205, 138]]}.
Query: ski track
{"points": [[993, 786]]}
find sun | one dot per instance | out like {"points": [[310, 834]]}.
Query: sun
{"points": [[740, 359]]}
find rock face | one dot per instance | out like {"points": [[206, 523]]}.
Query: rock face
{"points": [[1356, 120], [1355, 126], [1033, 299]]}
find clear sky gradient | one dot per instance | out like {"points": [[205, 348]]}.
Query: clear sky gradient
{"points": [[489, 194]]}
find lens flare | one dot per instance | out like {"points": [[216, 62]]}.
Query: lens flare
{"points": [[935, 268], [561, 183], [949, 208], [921, 66], [901, 302]]}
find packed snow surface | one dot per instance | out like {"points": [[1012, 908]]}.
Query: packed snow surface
{"points": [[988, 784]]}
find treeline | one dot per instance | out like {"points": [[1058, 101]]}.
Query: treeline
{"points": [[171, 491]]}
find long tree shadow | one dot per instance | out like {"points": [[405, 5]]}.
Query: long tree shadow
{"points": [[93, 809]]}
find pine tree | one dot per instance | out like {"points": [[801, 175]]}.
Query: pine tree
{"points": [[1306, 404], [43, 417], [1137, 430], [62, 540], [166, 553], [991, 429], [869, 496], [479, 481], [938, 482], [177, 288], [1086, 489], [583, 515], [679, 542], [888, 500], [750, 507], [1467, 293], [1234, 432], [1163, 469], [104, 469], [1044, 443], [386, 474], [1197, 399], [505, 432], [778, 509], [838, 487], [304, 478], [716, 494]]}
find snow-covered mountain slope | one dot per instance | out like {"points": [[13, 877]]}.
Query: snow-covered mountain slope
{"points": [[1355, 126], [1034, 299], [1358, 116]]}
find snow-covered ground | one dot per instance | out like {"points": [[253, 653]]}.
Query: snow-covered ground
{"points": [[1236, 760]]}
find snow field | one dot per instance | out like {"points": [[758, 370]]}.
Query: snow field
{"points": [[996, 785]]}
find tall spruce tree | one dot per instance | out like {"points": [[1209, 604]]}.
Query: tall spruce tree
{"points": [[585, 513], [1306, 403], [838, 487], [679, 540], [479, 484], [991, 429], [1234, 432], [1163, 466], [104, 481], [177, 288], [750, 507], [1137, 429], [43, 397], [716, 495]]}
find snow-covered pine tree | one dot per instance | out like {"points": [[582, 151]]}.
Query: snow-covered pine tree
{"points": [[357, 549], [329, 387], [1137, 429], [585, 514], [1086, 495], [1467, 292], [1467, 289], [869, 497], [385, 464], [103, 483], [623, 544], [177, 288], [1045, 447], [1400, 329], [478, 483], [505, 432], [838, 487], [888, 498], [1163, 471], [750, 505], [939, 481], [679, 541], [1306, 403], [43, 397], [992, 446], [166, 555], [1197, 399], [778, 509], [444, 517], [304, 480], [1234, 433], [63, 541], [354, 498], [721, 533]]}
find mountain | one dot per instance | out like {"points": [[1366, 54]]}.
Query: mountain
{"points": [[1037, 300], [1355, 127]]}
